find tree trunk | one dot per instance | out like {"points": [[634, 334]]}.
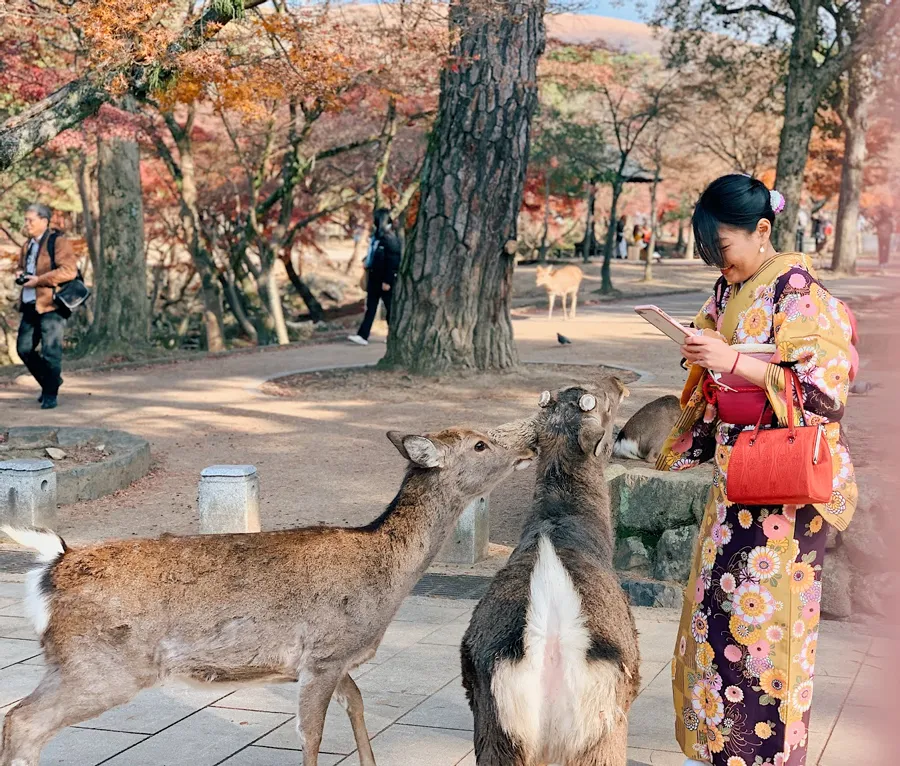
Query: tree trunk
{"points": [[276, 310], [606, 285], [679, 245], [651, 247], [233, 296], [316, 312], [859, 99], [589, 239], [885, 234], [213, 321], [542, 252], [689, 243], [453, 299], [121, 307], [802, 96]]}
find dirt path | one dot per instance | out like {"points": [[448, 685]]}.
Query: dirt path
{"points": [[326, 460]]}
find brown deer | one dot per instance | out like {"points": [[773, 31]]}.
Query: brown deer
{"points": [[564, 282], [550, 661], [644, 434], [304, 604]]}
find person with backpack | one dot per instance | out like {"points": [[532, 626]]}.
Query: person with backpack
{"points": [[47, 261], [382, 264]]}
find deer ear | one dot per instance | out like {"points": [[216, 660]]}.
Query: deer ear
{"points": [[417, 449]]}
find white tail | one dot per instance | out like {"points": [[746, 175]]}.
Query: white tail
{"points": [[49, 545]]}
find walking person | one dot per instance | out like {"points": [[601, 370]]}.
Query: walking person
{"points": [[47, 261], [745, 653], [382, 265]]}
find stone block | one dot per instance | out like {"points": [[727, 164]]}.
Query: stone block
{"points": [[674, 553], [648, 500], [229, 499], [28, 493], [631, 555], [468, 543], [837, 579], [652, 593], [875, 594], [30, 437]]}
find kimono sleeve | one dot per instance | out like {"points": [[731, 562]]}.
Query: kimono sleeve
{"points": [[813, 333]]}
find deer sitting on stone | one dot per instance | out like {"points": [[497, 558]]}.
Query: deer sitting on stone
{"points": [[550, 661], [303, 604]]}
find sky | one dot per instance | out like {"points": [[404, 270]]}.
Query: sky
{"points": [[617, 9]]}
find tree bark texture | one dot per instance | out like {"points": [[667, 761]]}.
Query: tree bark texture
{"points": [[587, 245], [454, 286], [121, 306], [860, 92], [606, 285], [805, 84], [651, 247]]}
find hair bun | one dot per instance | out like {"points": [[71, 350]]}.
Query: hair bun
{"points": [[776, 198]]}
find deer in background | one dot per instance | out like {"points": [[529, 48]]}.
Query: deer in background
{"points": [[564, 282], [550, 661], [304, 604]]}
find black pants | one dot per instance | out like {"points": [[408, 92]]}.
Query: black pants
{"points": [[375, 294], [46, 330]]}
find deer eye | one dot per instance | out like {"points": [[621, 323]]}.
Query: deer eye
{"points": [[480, 447]]}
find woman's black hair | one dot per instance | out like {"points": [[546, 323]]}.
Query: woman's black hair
{"points": [[734, 200]]}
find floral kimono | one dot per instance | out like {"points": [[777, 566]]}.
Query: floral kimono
{"points": [[742, 674]]}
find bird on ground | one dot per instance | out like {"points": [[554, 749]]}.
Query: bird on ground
{"points": [[563, 340]]}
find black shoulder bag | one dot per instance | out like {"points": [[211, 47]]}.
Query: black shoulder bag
{"points": [[69, 295]]}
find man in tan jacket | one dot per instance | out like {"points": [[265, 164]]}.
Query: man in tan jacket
{"points": [[42, 325]]}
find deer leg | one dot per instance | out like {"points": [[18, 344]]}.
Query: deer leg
{"points": [[565, 312], [62, 698], [574, 303], [316, 690], [552, 301], [349, 695]]}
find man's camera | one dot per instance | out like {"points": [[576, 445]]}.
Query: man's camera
{"points": [[21, 279]]}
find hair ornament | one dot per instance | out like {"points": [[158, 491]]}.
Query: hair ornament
{"points": [[777, 200]]}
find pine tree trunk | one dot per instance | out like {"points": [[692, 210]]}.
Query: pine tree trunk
{"points": [[121, 306], [454, 287], [802, 96], [606, 285], [545, 234], [859, 99]]}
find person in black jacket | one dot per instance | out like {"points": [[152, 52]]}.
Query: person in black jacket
{"points": [[382, 267]]}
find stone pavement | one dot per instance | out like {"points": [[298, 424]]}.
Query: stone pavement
{"points": [[415, 707]]}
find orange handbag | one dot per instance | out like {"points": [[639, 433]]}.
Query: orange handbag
{"points": [[781, 466]]}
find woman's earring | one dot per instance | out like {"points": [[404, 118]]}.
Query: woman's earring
{"points": [[762, 249]]}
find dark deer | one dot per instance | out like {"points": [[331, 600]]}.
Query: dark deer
{"points": [[550, 659]]}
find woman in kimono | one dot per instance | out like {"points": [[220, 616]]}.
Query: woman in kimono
{"points": [[744, 660]]}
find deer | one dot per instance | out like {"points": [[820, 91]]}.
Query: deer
{"points": [[564, 282], [307, 604], [550, 659], [644, 434]]}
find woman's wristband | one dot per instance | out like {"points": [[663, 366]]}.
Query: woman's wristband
{"points": [[736, 360]]}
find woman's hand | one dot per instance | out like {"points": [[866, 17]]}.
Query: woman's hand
{"points": [[32, 281], [710, 352], [385, 287]]}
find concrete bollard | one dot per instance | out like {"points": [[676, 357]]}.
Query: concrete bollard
{"points": [[27, 493], [229, 499], [468, 543]]}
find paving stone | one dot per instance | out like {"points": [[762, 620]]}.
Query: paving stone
{"points": [[80, 747], [828, 699], [448, 635], [18, 681], [447, 709], [639, 756], [657, 640], [15, 590], [422, 669], [16, 627], [152, 710], [12, 608], [841, 650], [267, 756], [650, 671], [381, 711], [204, 739], [431, 611], [418, 746], [400, 636], [15, 650], [651, 720], [855, 740]]}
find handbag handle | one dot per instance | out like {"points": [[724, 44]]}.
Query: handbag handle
{"points": [[792, 386]]}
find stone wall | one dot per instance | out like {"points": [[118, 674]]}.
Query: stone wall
{"points": [[657, 518]]}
